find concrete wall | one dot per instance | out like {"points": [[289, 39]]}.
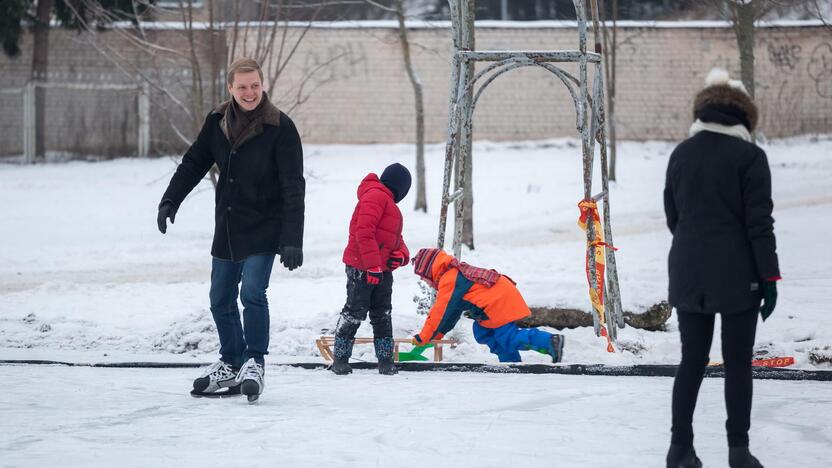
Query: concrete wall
{"points": [[660, 69], [105, 122], [348, 85]]}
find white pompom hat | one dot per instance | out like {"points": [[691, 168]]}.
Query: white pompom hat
{"points": [[721, 91]]}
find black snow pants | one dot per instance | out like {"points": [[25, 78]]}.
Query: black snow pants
{"points": [[697, 329], [362, 298]]}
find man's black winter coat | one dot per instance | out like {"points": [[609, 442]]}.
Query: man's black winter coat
{"points": [[717, 199], [260, 192]]}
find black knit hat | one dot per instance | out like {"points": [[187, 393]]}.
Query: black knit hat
{"points": [[397, 178]]}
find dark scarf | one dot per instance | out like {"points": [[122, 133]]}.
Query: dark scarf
{"points": [[723, 114], [239, 120]]}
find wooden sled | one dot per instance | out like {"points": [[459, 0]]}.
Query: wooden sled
{"points": [[326, 342]]}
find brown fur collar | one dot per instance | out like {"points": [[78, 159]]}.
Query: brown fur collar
{"points": [[726, 95], [269, 116]]}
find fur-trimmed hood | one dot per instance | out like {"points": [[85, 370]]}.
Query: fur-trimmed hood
{"points": [[726, 97]]}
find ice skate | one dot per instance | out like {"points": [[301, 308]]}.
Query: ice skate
{"points": [[251, 380]]}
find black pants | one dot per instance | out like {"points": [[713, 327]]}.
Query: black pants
{"points": [[697, 330], [362, 298]]}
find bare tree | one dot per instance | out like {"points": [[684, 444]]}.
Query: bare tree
{"points": [[421, 197], [269, 38], [821, 13], [466, 137], [418, 101], [40, 66], [743, 14], [610, 48]]}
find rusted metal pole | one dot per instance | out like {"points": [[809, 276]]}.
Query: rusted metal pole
{"points": [[589, 121], [451, 141]]}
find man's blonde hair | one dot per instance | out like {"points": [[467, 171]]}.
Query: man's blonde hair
{"points": [[243, 65]]}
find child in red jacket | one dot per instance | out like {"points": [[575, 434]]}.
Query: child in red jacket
{"points": [[374, 250]]}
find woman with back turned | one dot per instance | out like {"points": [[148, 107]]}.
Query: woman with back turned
{"points": [[717, 199]]}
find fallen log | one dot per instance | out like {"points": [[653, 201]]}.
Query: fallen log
{"points": [[652, 319]]}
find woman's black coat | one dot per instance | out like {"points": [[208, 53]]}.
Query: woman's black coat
{"points": [[717, 200]]}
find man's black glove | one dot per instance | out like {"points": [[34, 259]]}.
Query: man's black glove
{"points": [[166, 210], [291, 257], [769, 289]]}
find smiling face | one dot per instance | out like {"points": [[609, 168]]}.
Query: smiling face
{"points": [[247, 89]]}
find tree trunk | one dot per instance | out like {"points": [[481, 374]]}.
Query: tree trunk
{"points": [[466, 139], [40, 67], [744, 28], [197, 92], [653, 319], [610, 46], [556, 318], [421, 198], [216, 82]]}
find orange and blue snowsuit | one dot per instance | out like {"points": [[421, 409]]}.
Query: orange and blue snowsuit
{"points": [[494, 308]]}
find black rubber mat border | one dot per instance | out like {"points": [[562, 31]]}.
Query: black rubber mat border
{"points": [[641, 370]]}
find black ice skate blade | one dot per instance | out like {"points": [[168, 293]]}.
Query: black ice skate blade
{"points": [[252, 399], [230, 392]]}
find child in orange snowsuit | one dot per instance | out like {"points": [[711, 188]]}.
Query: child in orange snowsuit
{"points": [[486, 296]]}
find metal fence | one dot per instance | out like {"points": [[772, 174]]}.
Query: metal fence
{"points": [[28, 91]]}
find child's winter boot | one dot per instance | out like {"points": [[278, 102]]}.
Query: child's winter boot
{"points": [[342, 350], [681, 456], [740, 457], [557, 347], [384, 353]]}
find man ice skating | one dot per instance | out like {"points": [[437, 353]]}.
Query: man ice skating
{"points": [[374, 249], [486, 296], [259, 213]]}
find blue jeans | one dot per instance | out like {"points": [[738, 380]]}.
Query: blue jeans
{"points": [[238, 343], [507, 341]]}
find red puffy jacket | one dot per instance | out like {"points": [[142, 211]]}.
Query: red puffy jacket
{"points": [[375, 227]]}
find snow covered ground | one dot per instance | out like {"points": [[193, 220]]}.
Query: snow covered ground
{"points": [[141, 418], [86, 277]]}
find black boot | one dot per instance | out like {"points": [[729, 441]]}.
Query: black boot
{"points": [[387, 367], [680, 456], [342, 350], [740, 457], [341, 366], [384, 353]]}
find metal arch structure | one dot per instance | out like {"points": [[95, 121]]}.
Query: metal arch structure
{"points": [[464, 93]]}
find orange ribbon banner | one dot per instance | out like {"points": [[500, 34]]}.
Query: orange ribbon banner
{"points": [[589, 213]]}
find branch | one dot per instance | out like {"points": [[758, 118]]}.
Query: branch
{"points": [[383, 7]]}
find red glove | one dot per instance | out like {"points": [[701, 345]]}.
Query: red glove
{"points": [[374, 276], [396, 259]]}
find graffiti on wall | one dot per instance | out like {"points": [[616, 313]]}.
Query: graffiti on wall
{"points": [[819, 69], [784, 57], [338, 61]]}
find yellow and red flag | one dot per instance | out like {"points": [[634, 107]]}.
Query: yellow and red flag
{"points": [[589, 213]]}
